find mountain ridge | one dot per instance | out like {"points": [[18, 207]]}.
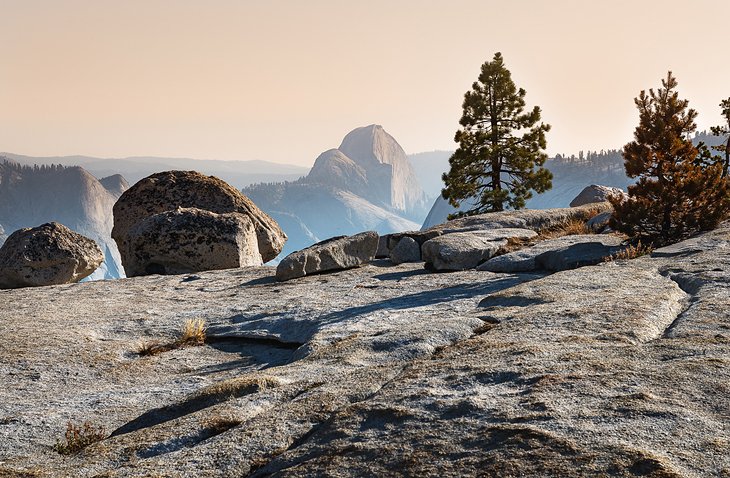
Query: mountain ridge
{"points": [[238, 173], [70, 195]]}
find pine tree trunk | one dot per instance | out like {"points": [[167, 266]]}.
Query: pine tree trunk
{"points": [[496, 166]]}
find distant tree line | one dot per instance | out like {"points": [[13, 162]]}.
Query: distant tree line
{"points": [[269, 193], [12, 166], [12, 173]]}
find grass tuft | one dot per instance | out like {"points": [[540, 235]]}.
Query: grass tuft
{"points": [[514, 244], [192, 334], [151, 347], [218, 423], [240, 386], [571, 227], [631, 252], [79, 437]]}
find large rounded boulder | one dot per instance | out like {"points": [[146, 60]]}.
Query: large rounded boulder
{"points": [[170, 190], [49, 254], [191, 240]]}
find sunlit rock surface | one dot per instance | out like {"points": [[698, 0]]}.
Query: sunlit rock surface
{"points": [[619, 369]]}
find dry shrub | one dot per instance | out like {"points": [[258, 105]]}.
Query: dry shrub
{"points": [[238, 387], [514, 244], [571, 227], [192, 334], [151, 347], [79, 437], [631, 252], [219, 423]]}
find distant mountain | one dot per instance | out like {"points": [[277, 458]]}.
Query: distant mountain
{"points": [[33, 195], [392, 181], [367, 183], [237, 173]]}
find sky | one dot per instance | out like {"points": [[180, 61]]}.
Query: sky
{"points": [[283, 81]]}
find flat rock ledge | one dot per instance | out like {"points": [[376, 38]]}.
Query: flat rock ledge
{"points": [[567, 252], [619, 369], [534, 219]]}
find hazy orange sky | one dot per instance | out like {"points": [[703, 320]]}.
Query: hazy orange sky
{"points": [[285, 80]]}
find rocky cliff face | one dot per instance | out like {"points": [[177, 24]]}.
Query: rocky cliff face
{"points": [[619, 369], [30, 196], [391, 178]]}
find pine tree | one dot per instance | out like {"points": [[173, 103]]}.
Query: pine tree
{"points": [[676, 194], [501, 148], [724, 130]]}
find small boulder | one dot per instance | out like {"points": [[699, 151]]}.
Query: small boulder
{"points": [[600, 222], [383, 250], [169, 190], [191, 240], [580, 254], [49, 254], [419, 236], [337, 253], [523, 260], [466, 250], [595, 194], [407, 250]]}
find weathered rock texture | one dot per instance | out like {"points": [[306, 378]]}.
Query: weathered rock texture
{"points": [[599, 222], [419, 236], [170, 190], [46, 255], [458, 251], [596, 194], [191, 240], [383, 250], [333, 254], [620, 369]]}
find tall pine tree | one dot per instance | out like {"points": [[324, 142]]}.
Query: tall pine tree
{"points": [[501, 147], [676, 194]]}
